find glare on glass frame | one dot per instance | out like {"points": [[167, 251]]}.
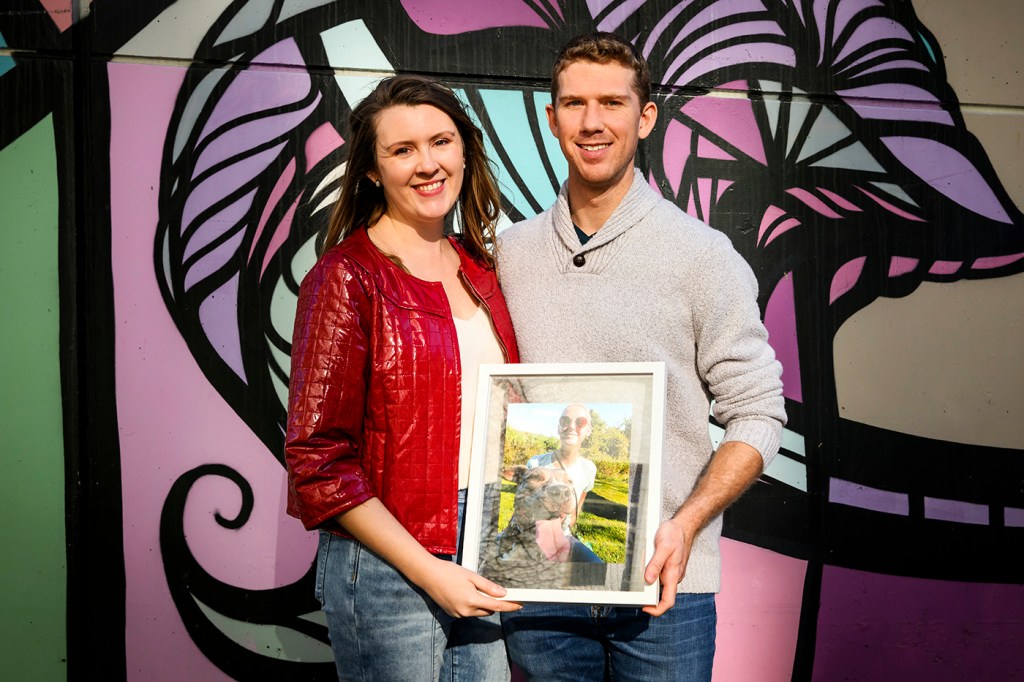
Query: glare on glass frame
{"points": [[565, 480]]}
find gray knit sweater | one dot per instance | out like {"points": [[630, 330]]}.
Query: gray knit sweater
{"points": [[656, 284]]}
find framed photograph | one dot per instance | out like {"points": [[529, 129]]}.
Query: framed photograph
{"points": [[565, 482]]}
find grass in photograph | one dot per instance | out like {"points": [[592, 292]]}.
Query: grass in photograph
{"points": [[606, 537], [614, 490]]}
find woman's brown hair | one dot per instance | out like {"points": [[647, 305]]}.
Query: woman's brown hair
{"points": [[361, 203]]}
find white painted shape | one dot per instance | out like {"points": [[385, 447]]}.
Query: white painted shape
{"points": [[177, 32], [350, 46]]}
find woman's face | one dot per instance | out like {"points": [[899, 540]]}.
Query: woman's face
{"points": [[420, 164], [573, 426]]}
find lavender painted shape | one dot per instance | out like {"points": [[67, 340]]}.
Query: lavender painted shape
{"points": [[223, 183], [950, 173], [256, 89], [956, 511], [866, 497], [450, 17], [250, 135], [220, 305], [214, 228]]}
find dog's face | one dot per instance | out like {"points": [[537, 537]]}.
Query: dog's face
{"points": [[534, 535], [542, 495]]}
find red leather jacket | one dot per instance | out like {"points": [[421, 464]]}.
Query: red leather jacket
{"points": [[375, 394]]}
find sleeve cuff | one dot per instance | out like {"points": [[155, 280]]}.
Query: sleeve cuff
{"points": [[764, 435]]}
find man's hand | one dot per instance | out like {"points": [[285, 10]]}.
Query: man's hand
{"points": [[671, 552], [733, 468]]}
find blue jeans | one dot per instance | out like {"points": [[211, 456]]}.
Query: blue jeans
{"points": [[580, 642], [382, 627]]}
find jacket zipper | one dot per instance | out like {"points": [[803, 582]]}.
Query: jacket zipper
{"points": [[477, 296]]}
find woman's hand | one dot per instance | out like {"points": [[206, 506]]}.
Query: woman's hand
{"points": [[457, 590], [461, 592]]}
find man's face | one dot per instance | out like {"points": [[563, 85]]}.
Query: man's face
{"points": [[574, 426], [598, 120]]}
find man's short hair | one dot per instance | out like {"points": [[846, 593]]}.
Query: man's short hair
{"points": [[603, 48]]}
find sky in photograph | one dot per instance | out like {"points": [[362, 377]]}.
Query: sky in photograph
{"points": [[542, 418]]}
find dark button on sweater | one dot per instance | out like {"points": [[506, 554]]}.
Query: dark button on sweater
{"points": [[578, 260]]}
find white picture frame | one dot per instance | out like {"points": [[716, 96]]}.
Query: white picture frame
{"points": [[610, 533]]}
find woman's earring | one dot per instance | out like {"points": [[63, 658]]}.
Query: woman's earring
{"points": [[376, 183]]}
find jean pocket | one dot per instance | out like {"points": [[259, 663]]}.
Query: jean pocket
{"points": [[322, 550]]}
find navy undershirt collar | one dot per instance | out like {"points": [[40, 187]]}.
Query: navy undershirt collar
{"points": [[583, 236]]}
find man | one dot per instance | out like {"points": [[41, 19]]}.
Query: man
{"points": [[574, 426], [630, 277]]}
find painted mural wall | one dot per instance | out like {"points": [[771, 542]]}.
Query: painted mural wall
{"points": [[165, 166]]}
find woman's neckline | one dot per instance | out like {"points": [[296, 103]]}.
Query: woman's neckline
{"points": [[476, 311]]}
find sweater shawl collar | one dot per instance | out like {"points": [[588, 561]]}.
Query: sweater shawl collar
{"points": [[638, 202]]}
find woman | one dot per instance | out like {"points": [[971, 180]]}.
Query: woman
{"points": [[391, 325], [574, 427]]}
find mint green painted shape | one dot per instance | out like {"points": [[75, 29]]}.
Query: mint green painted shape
{"points": [[284, 363], [508, 188], [896, 191], [928, 46], [351, 48], [771, 103], [282, 314], [508, 114], [826, 131], [247, 21], [271, 641], [32, 536], [291, 8], [797, 113], [6, 62], [197, 102], [854, 157], [554, 152]]}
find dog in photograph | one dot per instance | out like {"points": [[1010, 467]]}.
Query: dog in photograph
{"points": [[533, 548], [544, 498]]}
